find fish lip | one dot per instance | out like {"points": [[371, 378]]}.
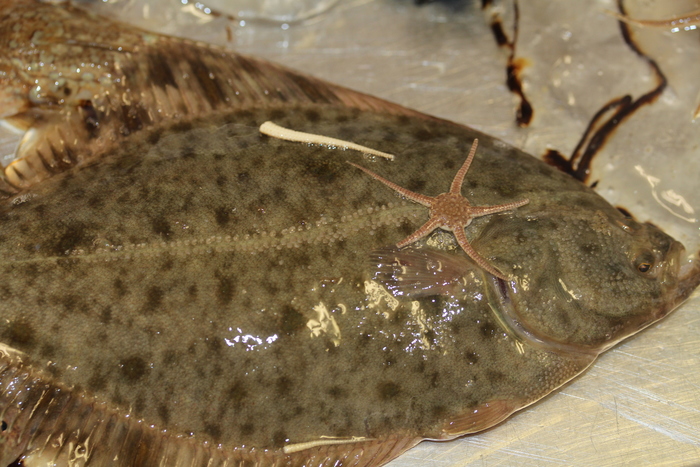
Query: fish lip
{"points": [[687, 275]]}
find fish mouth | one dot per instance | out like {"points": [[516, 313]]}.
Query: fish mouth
{"points": [[685, 274], [681, 276]]}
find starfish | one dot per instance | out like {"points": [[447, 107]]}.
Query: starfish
{"points": [[450, 211]]}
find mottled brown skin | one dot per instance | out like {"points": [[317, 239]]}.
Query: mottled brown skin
{"points": [[191, 275]]}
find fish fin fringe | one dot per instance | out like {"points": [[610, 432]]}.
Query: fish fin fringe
{"points": [[138, 81], [44, 423]]}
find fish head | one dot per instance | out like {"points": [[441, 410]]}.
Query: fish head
{"points": [[597, 278]]}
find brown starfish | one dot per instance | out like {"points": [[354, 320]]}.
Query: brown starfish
{"points": [[450, 211]]}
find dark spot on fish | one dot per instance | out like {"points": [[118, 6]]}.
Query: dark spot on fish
{"points": [[243, 177], [132, 369], [219, 156], [96, 382], [416, 184], [154, 299], [495, 376], [279, 193], [312, 115], [434, 379], [170, 358], [192, 291], [48, 351], [124, 198], [279, 439], [487, 330], [337, 392], [590, 249], [31, 272], [283, 386], [139, 405], [236, 395], [119, 287], [5, 292], [420, 367], [213, 430], [422, 134], [449, 164], [472, 357], [95, 202], [320, 171], [164, 413], [213, 345], [277, 114], [188, 152], [182, 126], [388, 390], [19, 334], [438, 411], [154, 136], [70, 302], [224, 289], [292, 321], [300, 258], [271, 288], [247, 429], [222, 216], [40, 208], [406, 228], [403, 120], [341, 118], [106, 315], [167, 264], [221, 180], [3, 426], [73, 236], [161, 227]]}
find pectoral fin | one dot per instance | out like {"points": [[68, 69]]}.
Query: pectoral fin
{"points": [[414, 273]]}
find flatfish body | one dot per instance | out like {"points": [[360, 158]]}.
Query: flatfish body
{"points": [[180, 289]]}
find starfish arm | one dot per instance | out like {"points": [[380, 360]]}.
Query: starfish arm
{"points": [[418, 198], [456, 186], [425, 229], [478, 211], [478, 259]]}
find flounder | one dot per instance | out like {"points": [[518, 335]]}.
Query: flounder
{"points": [[180, 288]]}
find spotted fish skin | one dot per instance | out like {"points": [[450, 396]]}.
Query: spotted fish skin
{"points": [[218, 285]]}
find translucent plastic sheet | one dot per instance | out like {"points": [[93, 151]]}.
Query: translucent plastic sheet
{"points": [[640, 403]]}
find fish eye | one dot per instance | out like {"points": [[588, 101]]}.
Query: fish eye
{"points": [[644, 262]]}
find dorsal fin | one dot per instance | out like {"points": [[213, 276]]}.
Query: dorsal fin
{"points": [[44, 420], [97, 81]]}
